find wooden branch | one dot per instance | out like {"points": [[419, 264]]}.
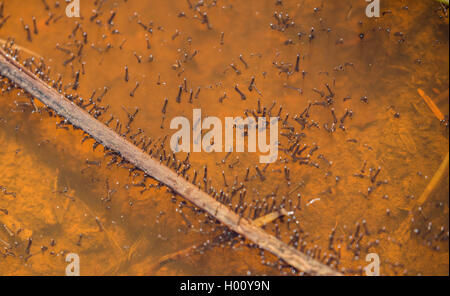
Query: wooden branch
{"points": [[110, 139], [431, 105], [434, 182]]}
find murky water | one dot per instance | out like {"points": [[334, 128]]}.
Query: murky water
{"points": [[67, 198]]}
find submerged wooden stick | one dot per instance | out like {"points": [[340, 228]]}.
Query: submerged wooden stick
{"points": [[434, 181], [3, 42], [188, 251], [404, 228], [110, 139], [431, 105]]}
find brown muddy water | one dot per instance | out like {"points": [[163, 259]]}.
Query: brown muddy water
{"points": [[58, 195]]}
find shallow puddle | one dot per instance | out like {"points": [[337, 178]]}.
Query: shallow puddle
{"points": [[58, 195]]}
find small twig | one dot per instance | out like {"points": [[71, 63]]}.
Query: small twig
{"points": [[431, 105], [404, 227], [434, 182], [3, 42], [110, 139], [192, 249]]}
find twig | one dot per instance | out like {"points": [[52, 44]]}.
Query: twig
{"points": [[188, 251], [404, 227], [4, 42], [110, 139], [434, 182], [431, 104]]}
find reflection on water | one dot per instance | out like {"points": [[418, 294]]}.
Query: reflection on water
{"points": [[59, 196]]}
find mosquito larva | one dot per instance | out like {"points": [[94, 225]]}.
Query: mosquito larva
{"points": [[142, 25], [71, 59], [259, 107], [51, 15], [109, 121], [4, 20], [366, 229], [180, 91], [223, 97], [99, 224], [243, 61], [243, 97], [162, 122], [138, 57], [269, 111], [149, 46], [80, 237], [252, 84], [45, 5], [321, 93], [197, 93], [287, 173], [329, 90], [105, 91], [166, 101], [121, 45], [195, 177], [111, 18], [224, 179], [77, 81], [126, 74], [35, 29], [185, 87], [133, 92], [374, 177], [30, 242], [260, 174], [279, 111], [236, 70], [177, 33], [206, 21], [236, 162], [28, 31], [205, 172], [334, 116], [344, 116]]}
